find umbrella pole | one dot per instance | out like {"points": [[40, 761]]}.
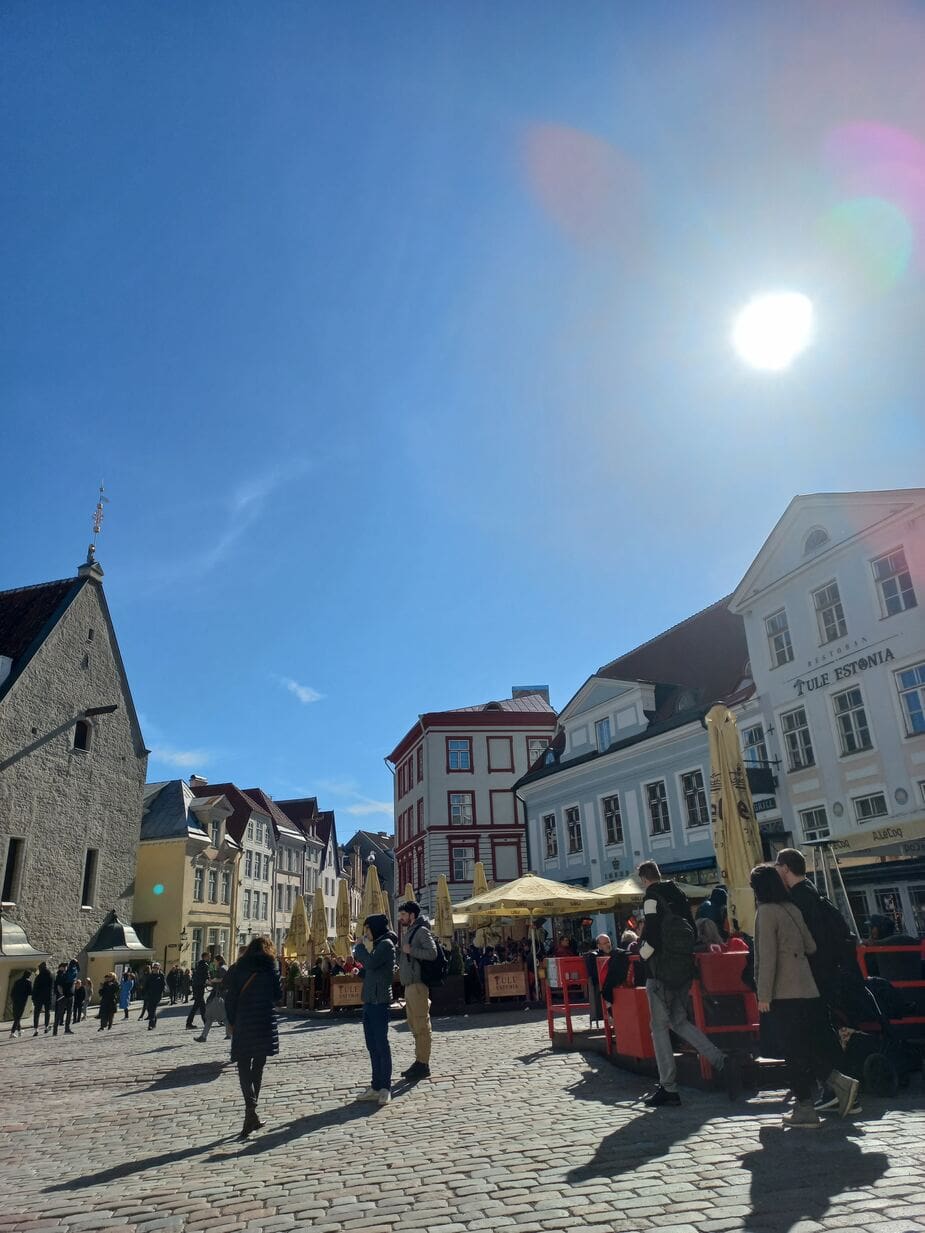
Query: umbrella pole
{"points": [[841, 882], [536, 970]]}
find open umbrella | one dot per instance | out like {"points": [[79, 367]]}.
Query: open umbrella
{"points": [[736, 836], [629, 891], [319, 929], [342, 920], [443, 914]]}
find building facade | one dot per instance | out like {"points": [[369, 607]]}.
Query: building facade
{"points": [[323, 864], [454, 776], [289, 864], [187, 874], [836, 638], [72, 765]]}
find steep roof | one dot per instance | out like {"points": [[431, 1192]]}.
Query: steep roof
{"points": [[27, 617], [281, 824], [242, 804], [166, 812], [520, 704]]}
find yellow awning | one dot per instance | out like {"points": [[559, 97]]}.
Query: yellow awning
{"points": [[534, 896]]}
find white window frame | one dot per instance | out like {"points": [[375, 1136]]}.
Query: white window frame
{"points": [[814, 832], [246, 904], [785, 745], [748, 747], [599, 726], [457, 812], [196, 945], [855, 729], [703, 813], [660, 802], [226, 886], [212, 883], [534, 755], [608, 842], [784, 634], [875, 794], [878, 583], [554, 855], [459, 754], [918, 689], [215, 834], [570, 833], [832, 605], [199, 884], [248, 863], [468, 863]]}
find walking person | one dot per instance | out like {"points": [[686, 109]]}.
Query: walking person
{"points": [[376, 953], [173, 984], [20, 992], [787, 991], [154, 991], [253, 993], [110, 994], [215, 1003], [126, 989], [186, 983], [64, 996], [419, 946], [42, 988], [668, 950], [200, 980], [80, 997]]}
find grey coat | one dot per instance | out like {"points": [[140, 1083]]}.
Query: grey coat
{"points": [[378, 969], [421, 940], [782, 944]]}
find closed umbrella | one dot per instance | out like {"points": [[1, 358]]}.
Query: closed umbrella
{"points": [[373, 898], [342, 920], [297, 937], [319, 929], [443, 914], [736, 836]]}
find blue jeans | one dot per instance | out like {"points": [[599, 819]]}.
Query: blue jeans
{"points": [[376, 1031]]}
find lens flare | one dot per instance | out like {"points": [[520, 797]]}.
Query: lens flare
{"points": [[771, 330], [158, 888], [870, 239]]}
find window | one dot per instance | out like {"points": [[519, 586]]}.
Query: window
{"points": [[12, 870], [506, 859], [830, 615], [199, 878], [463, 861], [815, 539], [894, 583], [419, 757], [213, 886], [250, 830], [911, 685], [815, 823], [778, 632], [197, 946], [889, 903], [264, 906], [602, 734], [657, 800], [266, 869], [213, 942], [420, 812], [247, 905], [279, 896], [695, 799], [613, 822], [868, 807], [290, 893], [248, 863], [551, 836], [216, 834], [797, 740], [851, 721], [573, 830], [458, 754], [88, 890], [82, 736], [461, 808], [536, 747], [226, 886], [754, 750]]}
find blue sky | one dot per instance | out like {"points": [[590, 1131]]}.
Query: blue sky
{"points": [[399, 335]]}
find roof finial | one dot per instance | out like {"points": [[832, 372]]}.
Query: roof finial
{"points": [[97, 524]]}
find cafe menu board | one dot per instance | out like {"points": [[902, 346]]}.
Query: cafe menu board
{"points": [[346, 991], [506, 981]]}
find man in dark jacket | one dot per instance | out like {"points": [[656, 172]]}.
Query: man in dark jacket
{"points": [[64, 996], [154, 991], [201, 976], [667, 997], [42, 988], [20, 992]]}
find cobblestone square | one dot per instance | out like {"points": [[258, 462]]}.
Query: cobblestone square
{"points": [[134, 1130]]}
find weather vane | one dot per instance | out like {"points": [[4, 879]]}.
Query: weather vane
{"points": [[97, 522]]}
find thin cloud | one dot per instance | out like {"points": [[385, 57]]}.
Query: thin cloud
{"points": [[304, 693], [366, 807], [179, 757]]}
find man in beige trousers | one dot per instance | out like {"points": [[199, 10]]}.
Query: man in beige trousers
{"points": [[417, 945]]}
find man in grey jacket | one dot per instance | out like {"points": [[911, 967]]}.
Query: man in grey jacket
{"points": [[417, 944]]}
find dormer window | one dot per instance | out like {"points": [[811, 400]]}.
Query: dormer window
{"points": [[215, 831], [82, 735], [602, 735], [814, 540], [687, 698]]}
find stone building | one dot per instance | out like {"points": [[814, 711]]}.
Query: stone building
{"points": [[72, 764]]}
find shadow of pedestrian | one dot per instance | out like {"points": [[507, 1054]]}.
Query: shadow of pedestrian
{"points": [[797, 1173], [646, 1137], [182, 1076], [338, 1115], [130, 1167]]}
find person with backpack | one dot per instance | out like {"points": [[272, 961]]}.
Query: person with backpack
{"points": [[416, 971], [668, 950]]}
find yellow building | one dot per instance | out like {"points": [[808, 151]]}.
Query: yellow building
{"points": [[187, 875]]}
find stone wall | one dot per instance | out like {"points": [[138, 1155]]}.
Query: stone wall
{"points": [[63, 801]]}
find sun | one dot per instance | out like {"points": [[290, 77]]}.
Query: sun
{"points": [[772, 330]]}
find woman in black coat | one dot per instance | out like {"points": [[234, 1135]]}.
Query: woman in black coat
{"points": [[253, 991]]}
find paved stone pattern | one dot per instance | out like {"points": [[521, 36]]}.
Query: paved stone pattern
{"points": [[134, 1131]]}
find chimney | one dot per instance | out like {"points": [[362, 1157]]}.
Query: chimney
{"points": [[197, 781], [524, 691]]}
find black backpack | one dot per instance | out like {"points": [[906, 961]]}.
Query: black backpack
{"points": [[834, 941], [433, 971], [673, 962]]}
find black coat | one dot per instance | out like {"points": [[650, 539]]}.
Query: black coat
{"points": [[109, 996], [20, 991], [154, 988], [41, 987], [253, 990]]}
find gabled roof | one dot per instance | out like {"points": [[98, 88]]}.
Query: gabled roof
{"points": [[522, 703], [242, 804], [166, 812], [281, 824]]}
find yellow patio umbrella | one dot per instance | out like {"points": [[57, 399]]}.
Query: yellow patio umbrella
{"points": [[736, 836], [373, 898], [342, 920], [319, 930], [409, 893], [296, 946], [629, 891], [443, 914]]}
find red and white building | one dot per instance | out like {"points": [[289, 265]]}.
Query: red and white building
{"points": [[454, 792]]}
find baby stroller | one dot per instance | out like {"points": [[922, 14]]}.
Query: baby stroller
{"points": [[874, 1051]]}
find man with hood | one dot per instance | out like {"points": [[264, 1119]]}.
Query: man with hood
{"points": [[376, 952], [418, 946], [668, 950], [154, 991], [41, 997]]}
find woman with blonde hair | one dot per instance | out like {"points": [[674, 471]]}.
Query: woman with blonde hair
{"points": [[253, 991]]}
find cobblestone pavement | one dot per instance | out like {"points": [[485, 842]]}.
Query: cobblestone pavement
{"points": [[134, 1130]]}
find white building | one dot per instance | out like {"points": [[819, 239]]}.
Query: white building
{"points": [[454, 799], [836, 640], [323, 867]]}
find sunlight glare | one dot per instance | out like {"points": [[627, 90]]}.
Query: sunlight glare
{"points": [[772, 330]]}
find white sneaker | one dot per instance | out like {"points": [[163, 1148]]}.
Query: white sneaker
{"points": [[384, 1096], [369, 1094]]}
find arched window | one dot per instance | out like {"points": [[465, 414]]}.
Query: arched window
{"points": [[82, 734], [815, 539]]}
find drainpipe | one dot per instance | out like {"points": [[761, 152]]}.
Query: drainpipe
{"points": [[526, 828]]}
